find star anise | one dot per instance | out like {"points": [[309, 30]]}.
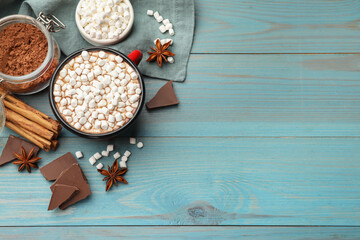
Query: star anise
{"points": [[28, 161], [113, 175], [160, 53]]}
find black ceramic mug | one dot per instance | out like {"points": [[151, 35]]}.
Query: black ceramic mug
{"points": [[133, 59]]}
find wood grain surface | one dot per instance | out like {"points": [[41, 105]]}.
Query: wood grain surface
{"points": [[266, 137], [177, 233]]}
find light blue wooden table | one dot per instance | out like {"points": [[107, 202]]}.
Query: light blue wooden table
{"points": [[265, 143]]}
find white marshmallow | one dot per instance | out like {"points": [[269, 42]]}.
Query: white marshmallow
{"points": [[140, 145], [124, 158], [171, 59], [110, 148], [166, 21], [156, 14], [169, 26], [129, 115], [171, 32], [85, 55], [159, 19], [150, 12], [92, 160], [132, 140], [122, 164], [97, 156], [116, 155], [162, 29], [79, 154], [105, 153], [127, 153], [104, 125], [99, 166]]}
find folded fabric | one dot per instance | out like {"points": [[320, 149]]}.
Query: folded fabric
{"points": [[145, 30]]}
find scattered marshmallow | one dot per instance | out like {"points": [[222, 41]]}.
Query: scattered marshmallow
{"points": [[79, 154], [150, 12], [110, 148], [105, 153], [97, 156], [140, 145], [124, 158], [171, 59], [162, 28], [117, 155], [122, 164], [171, 32], [92, 160], [132, 140], [127, 153], [99, 166]]}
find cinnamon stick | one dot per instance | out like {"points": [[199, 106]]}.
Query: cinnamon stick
{"points": [[36, 139], [31, 113], [29, 125], [54, 145]]}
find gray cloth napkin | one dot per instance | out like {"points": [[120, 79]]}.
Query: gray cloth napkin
{"points": [[145, 30]]}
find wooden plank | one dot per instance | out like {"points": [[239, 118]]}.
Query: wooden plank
{"points": [[261, 26], [201, 181], [256, 95], [177, 233]]}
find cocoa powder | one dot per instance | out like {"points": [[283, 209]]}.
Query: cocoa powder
{"points": [[23, 48]]}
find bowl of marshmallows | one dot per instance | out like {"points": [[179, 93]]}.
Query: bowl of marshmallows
{"points": [[104, 22]]}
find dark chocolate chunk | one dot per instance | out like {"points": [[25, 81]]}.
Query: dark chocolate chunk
{"points": [[164, 97], [13, 145], [52, 170], [61, 194], [73, 176]]}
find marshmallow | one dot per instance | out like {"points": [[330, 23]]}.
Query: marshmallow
{"points": [[169, 26], [171, 59], [105, 153], [124, 158], [85, 55], [79, 154], [171, 32], [97, 156], [129, 115], [116, 155], [122, 164], [162, 29], [159, 19], [127, 153], [166, 21], [150, 12], [140, 145], [110, 148], [156, 14], [99, 166], [92, 160], [104, 125]]}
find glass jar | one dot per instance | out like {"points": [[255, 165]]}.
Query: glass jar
{"points": [[39, 79]]}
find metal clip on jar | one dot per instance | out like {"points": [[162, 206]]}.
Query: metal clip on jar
{"points": [[38, 79]]}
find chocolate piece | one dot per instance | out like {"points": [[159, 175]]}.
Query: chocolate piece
{"points": [[51, 171], [73, 176], [13, 145], [61, 194], [164, 97]]}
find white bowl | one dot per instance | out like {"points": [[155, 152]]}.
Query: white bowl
{"points": [[105, 42]]}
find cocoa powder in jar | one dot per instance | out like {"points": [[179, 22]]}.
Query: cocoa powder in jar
{"points": [[23, 48]]}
